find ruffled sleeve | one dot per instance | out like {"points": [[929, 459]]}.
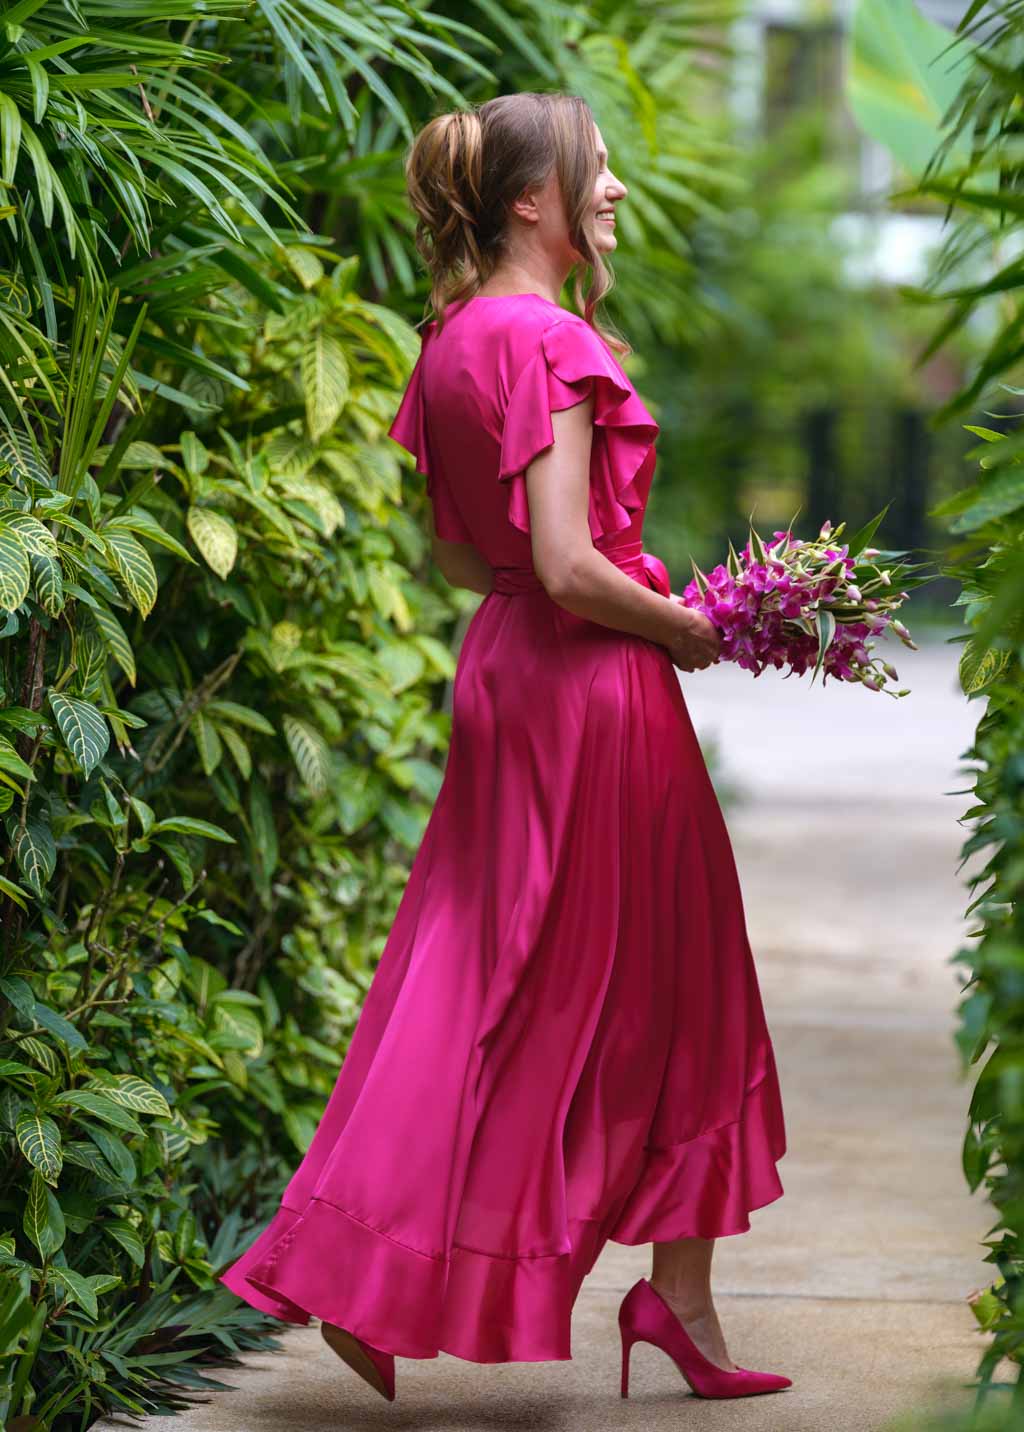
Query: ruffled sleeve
{"points": [[570, 362], [409, 429]]}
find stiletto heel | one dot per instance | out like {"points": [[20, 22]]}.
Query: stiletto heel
{"points": [[372, 1364], [644, 1316]]}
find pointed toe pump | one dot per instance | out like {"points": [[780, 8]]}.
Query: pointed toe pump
{"points": [[373, 1366], [644, 1316]]}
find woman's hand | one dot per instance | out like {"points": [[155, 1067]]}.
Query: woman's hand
{"points": [[697, 642]]}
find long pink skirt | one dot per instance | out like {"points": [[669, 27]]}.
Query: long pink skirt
{"points": [[564, 1041]]}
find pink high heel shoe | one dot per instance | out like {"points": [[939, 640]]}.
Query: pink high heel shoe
{"points": [[373, 1366], [644, 1316]]}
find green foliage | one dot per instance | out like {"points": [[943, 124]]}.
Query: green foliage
{"points": [[986, 557], [204, 830], [902, 80], [220, 661]]}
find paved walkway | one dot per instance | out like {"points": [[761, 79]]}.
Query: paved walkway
{"points": [[854, 1282]]}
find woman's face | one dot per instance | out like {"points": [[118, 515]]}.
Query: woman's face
{"points": [[544, 211], [608, 191]]}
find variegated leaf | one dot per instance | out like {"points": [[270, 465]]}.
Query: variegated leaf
{"points": [[35, 535], [36, 852], [309, 751], [134, 567], [43, 1220], [39, 1140], [101, 1107], [325, 381], [118, 645], [15, 571], [215, 536], [134, 1093], [49, 583], [83, 728]]}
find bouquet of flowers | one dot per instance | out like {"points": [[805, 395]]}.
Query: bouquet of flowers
{"points": [[807, 603]]}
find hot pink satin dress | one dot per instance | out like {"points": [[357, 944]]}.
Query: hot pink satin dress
{"points": [[564, 1041]]}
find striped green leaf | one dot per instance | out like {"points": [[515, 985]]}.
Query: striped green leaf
{"points": [[86, 1155], [15, 571], [309, 751], [83, 728], [325, 381], [43, 1220], [131, 1092], [118, 645], [39, 1140], [144, 524], [173, 1137], [134, 566], [35, 535], [43, 1054], [36, 853], [49, 583], [101, 1107], [215, 536]]}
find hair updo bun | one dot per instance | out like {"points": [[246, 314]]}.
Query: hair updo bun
{"points": [[465, 169]]}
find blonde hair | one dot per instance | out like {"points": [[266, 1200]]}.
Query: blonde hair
{"points": [[463, 172]]}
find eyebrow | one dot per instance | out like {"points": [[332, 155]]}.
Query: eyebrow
{"points": [[602, 154]]}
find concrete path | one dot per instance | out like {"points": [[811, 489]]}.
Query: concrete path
{"points": [[853, 1283]]}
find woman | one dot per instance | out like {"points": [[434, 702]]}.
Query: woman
{"points": [[564, 1041]]}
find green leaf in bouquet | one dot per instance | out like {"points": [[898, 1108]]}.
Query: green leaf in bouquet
{"points": [[826, 631], [861, 538], [757, 547]]}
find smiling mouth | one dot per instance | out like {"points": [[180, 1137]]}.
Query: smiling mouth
{"points": [[605, 216]]}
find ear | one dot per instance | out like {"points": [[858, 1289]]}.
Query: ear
{"points": [[526, 207]]}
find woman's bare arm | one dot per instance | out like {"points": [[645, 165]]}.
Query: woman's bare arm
{"points": [[579, 577]]}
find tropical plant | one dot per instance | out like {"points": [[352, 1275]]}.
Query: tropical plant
{"points": [[977, 173]]}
